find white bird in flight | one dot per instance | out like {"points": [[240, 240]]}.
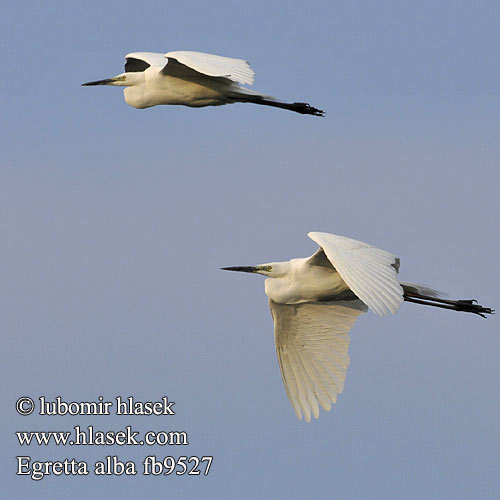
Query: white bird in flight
{"points": [[315, 301], [191, 79]]}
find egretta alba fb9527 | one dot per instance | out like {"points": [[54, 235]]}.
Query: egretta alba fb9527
{"points": [[191, 79], [315, 301]]}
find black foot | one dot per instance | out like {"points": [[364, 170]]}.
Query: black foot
{"points": [[306, 109], [472, 306]]}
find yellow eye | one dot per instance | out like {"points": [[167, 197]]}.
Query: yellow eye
{"points": [[267, 269]]}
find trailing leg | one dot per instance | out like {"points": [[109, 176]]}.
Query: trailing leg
{"points": [[470, 305]]}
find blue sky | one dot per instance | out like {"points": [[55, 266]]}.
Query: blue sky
{"points": [[116, 221]]}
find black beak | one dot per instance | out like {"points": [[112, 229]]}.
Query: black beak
{"points": [[107, 81], [243, 269]]}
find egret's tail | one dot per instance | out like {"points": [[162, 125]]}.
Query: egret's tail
{"points": [[420, 294], [421, 290], [246, 95]]}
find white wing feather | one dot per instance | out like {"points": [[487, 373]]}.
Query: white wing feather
{"points": [[368, 271], [237, 70], [152, 58], [312, 341]]}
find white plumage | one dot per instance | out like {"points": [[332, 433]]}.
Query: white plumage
{"points": [[237, 70], [192, 79], [312, 341], [371, 273], [315, 301]]}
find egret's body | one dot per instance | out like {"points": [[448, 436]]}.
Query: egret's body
{"points": [[301, 282], [191, 79], [315, 301]]}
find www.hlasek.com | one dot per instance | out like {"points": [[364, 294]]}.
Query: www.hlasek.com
{"points": [[90, 436]]}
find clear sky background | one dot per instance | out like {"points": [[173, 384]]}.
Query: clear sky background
{"points": [[115, 222]]}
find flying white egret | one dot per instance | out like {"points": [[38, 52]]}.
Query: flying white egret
{"points": [[315, 301], [191, 79]]}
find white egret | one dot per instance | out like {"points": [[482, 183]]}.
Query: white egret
{"points": [[191, 79], [314, 303]]}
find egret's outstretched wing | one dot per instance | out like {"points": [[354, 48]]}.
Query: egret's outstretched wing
{"points": [[312, 340], [237, 70], [140, 61], [371, 273]]}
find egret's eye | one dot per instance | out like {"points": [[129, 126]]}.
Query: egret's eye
{"points": [[267, 268]]}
